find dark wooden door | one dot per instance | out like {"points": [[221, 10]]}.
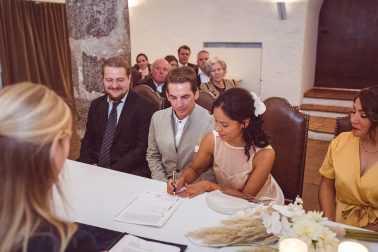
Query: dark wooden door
{"points": [[347, 53]]}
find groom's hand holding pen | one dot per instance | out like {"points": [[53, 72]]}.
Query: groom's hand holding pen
{"points": [[174, 182]]}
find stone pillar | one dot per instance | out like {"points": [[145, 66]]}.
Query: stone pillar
{"points": [[98, 30]]}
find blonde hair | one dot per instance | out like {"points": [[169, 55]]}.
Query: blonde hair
{"points": [[213, 61], [33, 118]]}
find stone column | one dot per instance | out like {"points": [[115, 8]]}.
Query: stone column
{"points": [[98, 30]]}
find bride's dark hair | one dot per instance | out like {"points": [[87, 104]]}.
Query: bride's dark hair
{"points": [[238, 105]]}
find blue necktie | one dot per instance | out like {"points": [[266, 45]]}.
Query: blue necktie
{"points": [[104, 157]]}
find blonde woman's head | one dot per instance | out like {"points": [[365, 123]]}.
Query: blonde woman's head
{"points": [[35, 127], [33, 113], [216, 68]]}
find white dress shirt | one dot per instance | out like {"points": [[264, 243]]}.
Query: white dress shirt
{"points": [[203, 77], [119, 107], [179, 128]]}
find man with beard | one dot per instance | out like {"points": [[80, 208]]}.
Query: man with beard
{"points": [[117, 127]]}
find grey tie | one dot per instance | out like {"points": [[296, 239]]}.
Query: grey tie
{"points": [[104, 157]]}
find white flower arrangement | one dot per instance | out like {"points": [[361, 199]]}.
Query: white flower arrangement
{"points": [[291, 221], [266, 224]]}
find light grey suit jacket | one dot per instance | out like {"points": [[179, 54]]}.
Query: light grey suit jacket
{"points": [[162, 156]]}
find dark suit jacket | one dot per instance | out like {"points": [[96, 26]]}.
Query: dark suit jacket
{"points": [[47, 240], [135, 77], [150, 82], [128, 151], [192, 66], [198, 78]]}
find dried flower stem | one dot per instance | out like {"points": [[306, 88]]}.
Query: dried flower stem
{"points": [[238, 230], [355, 234], [258, 249]]}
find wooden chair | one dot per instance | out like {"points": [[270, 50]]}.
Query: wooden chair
{"points": [[342, 125], [287, 128], [151, 95], [205, 99]]}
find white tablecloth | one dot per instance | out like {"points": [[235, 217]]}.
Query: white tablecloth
{"points": [[96, 195]]}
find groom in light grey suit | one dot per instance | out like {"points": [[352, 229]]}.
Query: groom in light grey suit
{"points": [[176, 132]]}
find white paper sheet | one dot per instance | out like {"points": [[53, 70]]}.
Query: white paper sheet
{"points": [[150, 208], [130, 243]]}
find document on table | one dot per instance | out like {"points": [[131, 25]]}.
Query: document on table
{"points": [[150, 208], [130, 243]]}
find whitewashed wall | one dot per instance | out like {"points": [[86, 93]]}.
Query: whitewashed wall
{"points": [[310, 44], [159, 27]]}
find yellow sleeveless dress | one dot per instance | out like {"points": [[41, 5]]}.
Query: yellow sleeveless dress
{"points": [[356, 196]]}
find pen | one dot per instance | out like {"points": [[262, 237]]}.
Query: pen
{"points": [[174, 181]]}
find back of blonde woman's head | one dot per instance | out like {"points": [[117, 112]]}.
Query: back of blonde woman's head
{"points": [[32, 118], [33, 113]]}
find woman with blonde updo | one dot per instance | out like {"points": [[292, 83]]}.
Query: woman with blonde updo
{"points": [[35, 130], [216, 69]]}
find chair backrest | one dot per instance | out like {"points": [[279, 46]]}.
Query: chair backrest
{"points": [[205, 99], [287, 128], [151, 95], [342, 125]]}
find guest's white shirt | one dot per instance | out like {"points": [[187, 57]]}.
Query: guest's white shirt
{"points": [[119, 107], [179, 128], [159, 88], [203, 77]]}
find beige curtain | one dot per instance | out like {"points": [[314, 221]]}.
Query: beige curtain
{"points": [[34, 47]]}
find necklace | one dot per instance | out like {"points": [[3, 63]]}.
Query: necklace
{"points": [[220, 89], [363, 148]]}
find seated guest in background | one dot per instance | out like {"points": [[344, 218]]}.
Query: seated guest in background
{"points": [[35, 131], [348, 191], [172, 60], [117, 128], [216, 68], [142, 65], [175, 132], [202, 58], [238, 148], [183, 56], [159, 72], [135, 77]]}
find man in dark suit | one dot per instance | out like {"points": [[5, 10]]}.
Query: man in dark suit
{"points": [[202, 58], [157, 81], [183, 56], [117, 128]]}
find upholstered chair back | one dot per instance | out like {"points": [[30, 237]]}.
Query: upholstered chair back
{"points": [[342, 125], [151, 95], [205, 99], [287, 128]]}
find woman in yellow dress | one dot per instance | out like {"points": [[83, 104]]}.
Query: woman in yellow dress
{"points": [[348, 191]]}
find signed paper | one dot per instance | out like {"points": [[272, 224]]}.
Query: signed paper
{"points": [[130, 243], [150, 208]]}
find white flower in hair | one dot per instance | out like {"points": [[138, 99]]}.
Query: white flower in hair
{"points": [[260, 107]]}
